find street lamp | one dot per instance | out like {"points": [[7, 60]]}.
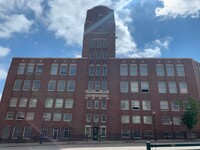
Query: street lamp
{"points": [[154, 125], [41, 133]]}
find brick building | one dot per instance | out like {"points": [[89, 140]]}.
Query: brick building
{"points": [[98, 95]]}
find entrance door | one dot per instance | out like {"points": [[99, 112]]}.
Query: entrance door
{"points": [[55, 133], [95, 133]]}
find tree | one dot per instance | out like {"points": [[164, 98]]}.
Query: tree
{"points": [[191, 114]]}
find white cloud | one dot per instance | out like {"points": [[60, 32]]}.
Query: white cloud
{"points": [[176, 8], [3, 72], [4, 51], [14, 23], [148, 53], [13, 16]]}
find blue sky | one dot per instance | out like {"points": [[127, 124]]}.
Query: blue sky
{"points": [[54, 28]]}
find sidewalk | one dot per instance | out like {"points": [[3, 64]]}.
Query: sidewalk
{"points": [[99, 143]]}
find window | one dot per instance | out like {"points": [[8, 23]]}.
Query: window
{"points": [[27, 132], [147, 119], [172, 87], [16, 132], [148, 133], [98, 70], [170, 69], [164, 106], [22, 102], [124, 86], [17, 85], [125, 119], [54, 69], [103, 131], [39, 69], [88, 131], [30, 69], [66, 133], [93, 43], [96, 104], [183, 87], [21, 69], [49, 103], [59, 103], [104, 86], [175, 106], [123, 70], [57, 116], [137, 134], [67, 117], [92, 55], [97, 85], [20, 116], [13, 102], [103, 104], [10, 115], [135, 105], [180, 70], [98, 55], [105, 43], [27, 85], [176, 120], [136, 119], [72, 69], [105, 55], [88, 117], [134, 87], [146, 105], [91, 70], [63, 69], [61, 85], [90, 85], [104, 71], [47, 116], [89, 104], [124, 105], [52, 85], [133, 70], [103, 118], [6, 132], [45, 132], [36, 85], [162, 87], [69, 103], [96, 118], [71, 85], [165, 120], [125, 133], [145, 87], [143, 70], [30, 116], [33, 102], [159, 70]]}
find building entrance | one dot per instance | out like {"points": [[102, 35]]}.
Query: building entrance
{"points": [[95, 133]]}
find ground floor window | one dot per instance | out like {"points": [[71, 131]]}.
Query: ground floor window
{"points": [[16, 132], [6, 132], [148, 133], [103, 131], [66, 133], [45, 132], [125, 133], [88, 131], [137, 134], [27, 132]]}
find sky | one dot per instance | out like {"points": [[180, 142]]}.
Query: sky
{"points": [[54, 28]]}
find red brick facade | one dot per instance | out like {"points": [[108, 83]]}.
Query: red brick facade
{"points": [[97, 95]]}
